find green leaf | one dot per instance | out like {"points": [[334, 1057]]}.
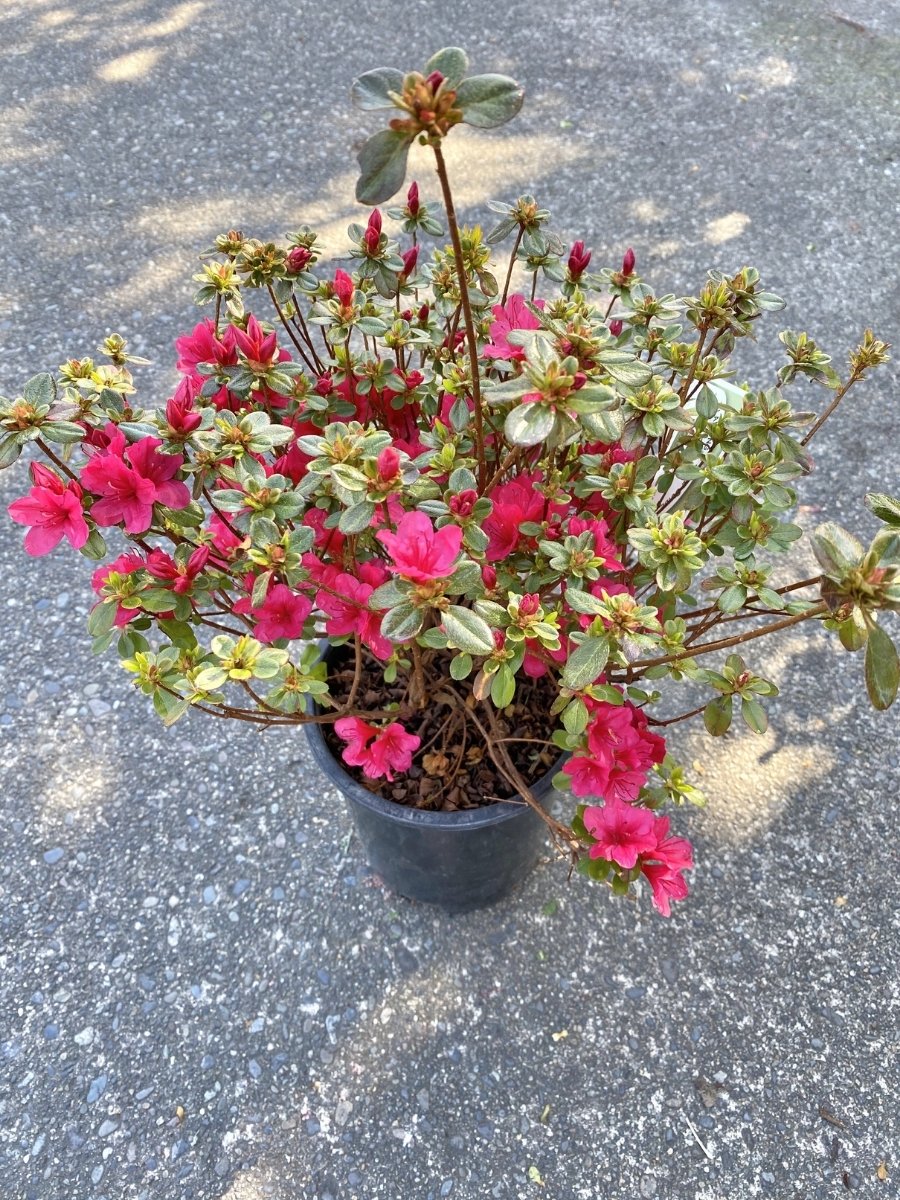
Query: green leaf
{"points": [[529, 424], [754, 715], [101, 618], [584, 602], [179, 633], [357, 517], [882, 668], [717, 716], [837, 551], [63, 432], [40, 389], [460, 666], [575, 717], [624, 367], [370, 91], [489, 100], [382, 165], [585, 663], [452, 62], [467, 631], [10, 449], [209, 679], [886, 508], [401, 622], [503, 686]]}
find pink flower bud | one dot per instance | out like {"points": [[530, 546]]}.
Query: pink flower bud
{"points": [[410, 258], [499, 639], [579, 381], [579, 260], [489, 577], [388, 462], [615, 328], [343, 287], [423, 313], [372, 236], [181, 415], [529, 604], [375, 220], [628, 263], [412, 199], [297, 259], [324, 384], [406, 315], [462, 504], [413, 380], [434, 80]]}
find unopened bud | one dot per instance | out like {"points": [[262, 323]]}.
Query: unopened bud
{"points": [[628, 263], [461, 505], [615, 328], [388, 463], [530, 604], [434, 80], [410, 258], [297, 259], [412, 199], [579, 260], [489, 577]]}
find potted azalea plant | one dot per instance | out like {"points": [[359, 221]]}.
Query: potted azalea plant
{"points": [[464, 508]]}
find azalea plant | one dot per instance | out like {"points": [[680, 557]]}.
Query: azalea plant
{"points": [[478, 468]]}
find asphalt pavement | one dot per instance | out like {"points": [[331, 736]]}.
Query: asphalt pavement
{"points": [[204, 995]]}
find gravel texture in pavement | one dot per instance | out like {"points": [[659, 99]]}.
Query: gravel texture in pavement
{"points": [[204, 994]]}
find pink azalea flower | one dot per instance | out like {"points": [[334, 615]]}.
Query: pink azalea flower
{"points": [[347, 613], [257, 347], [281, 615], [54, 511], [182, 416], [380, 752], [514, 503], [130, 480], [622, 832], [202, 345], [164, 568], [590, 776], [392, 750], [357, 733], [420, 552], [513, 315], [666, 885]]}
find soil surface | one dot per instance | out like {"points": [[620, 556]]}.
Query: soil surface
{"points": [[452, 768]]}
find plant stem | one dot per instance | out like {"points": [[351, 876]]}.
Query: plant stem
{"points": [[829, 410], [724, 643], [467, 310], [512, 259]]}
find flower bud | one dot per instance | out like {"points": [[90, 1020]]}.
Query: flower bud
{"points": [[462, 504], [343, 287], [615, 328], [372, 236], [579, 260], [489, 577], [412, 199], [297, 259], [413, 380], [579, 380], [434, 80], [410, 258], [388, 463], [423, 314], [181, 415], [628, 263], [529, 605], [324, 384]]}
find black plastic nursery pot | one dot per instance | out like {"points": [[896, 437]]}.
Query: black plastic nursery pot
{"points": [[456, 860]]}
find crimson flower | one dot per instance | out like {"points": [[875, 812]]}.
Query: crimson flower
{"points": [[380, 752], [349, 613], [54, 511], [666, 885], [421, 553], [130, 480], [257, 347], [164, 568], [203, 345], [515, 314], [514, 502], [281, 615], [183, 418], [622, 832]]}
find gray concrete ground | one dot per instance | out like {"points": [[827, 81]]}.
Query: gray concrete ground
{"points": [[204, 994]]}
